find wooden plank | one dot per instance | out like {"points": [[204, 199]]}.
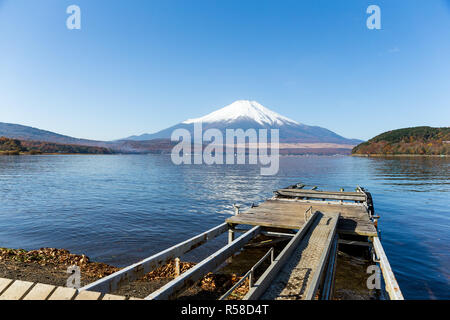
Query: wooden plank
{"points": [[63, 293], [266, 278], [187, 279], [392, 286], [88, 295], [314, 285], [112, 297], [138, 270], [4, 283], [353, 196], [358, 227], [266, 224], [40, 292], [16, 290], [347, 226], [320, 194], [294, 209]]}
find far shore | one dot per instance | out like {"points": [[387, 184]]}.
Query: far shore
{"points": [[59, 154], [399, 155]]}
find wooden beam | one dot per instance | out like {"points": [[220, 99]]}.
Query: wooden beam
{"points": [[270, 233], [190, 277], [392, 286], [355, 243], [131, 273], [266, 278], [328, 285]]}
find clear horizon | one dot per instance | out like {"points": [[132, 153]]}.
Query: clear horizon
{"points": [[143, 67]]}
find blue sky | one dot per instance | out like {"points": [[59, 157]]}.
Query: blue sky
{"points": [[141, 66]]}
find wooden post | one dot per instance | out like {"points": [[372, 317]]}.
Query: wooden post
{"points": [[230, 240], [231, 234], [236, 209], [177, 267]]}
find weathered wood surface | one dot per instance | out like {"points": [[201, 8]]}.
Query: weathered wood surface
{"points": [[300, 276], [352, 196], [16, 290], [354, 218], [4, 283], [24, 290], [392, 286], [62, 293], [40, 292], [88, 295], [267, 277], [328, 286], [113, 297]]}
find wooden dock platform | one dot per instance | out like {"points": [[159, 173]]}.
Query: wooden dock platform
{"points": [[313, 223], [290, 214]]}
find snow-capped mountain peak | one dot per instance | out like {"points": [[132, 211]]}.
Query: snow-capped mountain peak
{"points": [[244, 110]]}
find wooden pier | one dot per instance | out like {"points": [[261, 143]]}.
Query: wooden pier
{"points": [[313, 223]]}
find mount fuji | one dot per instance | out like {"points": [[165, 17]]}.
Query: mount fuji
{"points": [[244, 114]]}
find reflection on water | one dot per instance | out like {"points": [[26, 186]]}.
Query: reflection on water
{"points": [[119, 209]]}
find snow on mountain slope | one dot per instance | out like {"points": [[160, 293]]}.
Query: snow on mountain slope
{"points": [[244, 110], [244, 114]]}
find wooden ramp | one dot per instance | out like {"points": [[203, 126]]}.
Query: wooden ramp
{"points": [[300, 276], [24, 290], [297, 271]]}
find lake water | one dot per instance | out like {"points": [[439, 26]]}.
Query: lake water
{"points": [[119, 209]]}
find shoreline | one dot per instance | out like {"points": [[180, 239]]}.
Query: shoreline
{"points": [[399, 155], [49, 266], [62, 154]]}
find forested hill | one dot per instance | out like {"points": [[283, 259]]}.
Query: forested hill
{"points": [[16, 147], [414, 141]]}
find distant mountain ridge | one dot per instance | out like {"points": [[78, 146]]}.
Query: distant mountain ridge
{"points": [[10, 146], [245, 114], [35, 138], [17, 131], [242, 114]]}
